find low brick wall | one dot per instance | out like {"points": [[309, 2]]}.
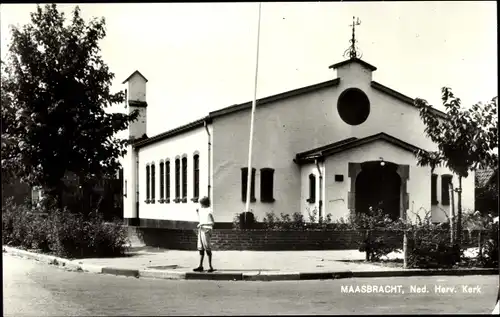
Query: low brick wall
{"points": [[259, 240], [264, 240]]}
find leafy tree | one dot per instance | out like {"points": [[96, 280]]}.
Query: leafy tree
{"points": [[466, 139], [57, 89]]}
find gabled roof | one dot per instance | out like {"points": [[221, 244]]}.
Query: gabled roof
{"points": [[136, 72], [353, 60], [281, 96], [165, 135], [236, 108], [292, 93], [403, 98], [349, 143]]}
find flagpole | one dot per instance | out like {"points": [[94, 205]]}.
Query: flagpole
{"points": [[250, 143]]}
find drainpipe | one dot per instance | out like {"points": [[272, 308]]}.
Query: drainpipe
{"points": [[320, 214], [136, 154], [209, 161]]}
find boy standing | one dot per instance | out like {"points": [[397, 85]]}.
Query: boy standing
{"points": [[205, 226]]}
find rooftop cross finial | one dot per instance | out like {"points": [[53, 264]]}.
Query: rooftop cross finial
{"points": [[353, 50]]}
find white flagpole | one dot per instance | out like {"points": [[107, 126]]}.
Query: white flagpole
{"points": [[250, 143]]}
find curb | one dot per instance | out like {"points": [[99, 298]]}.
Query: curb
{"points": [[242, 276]]}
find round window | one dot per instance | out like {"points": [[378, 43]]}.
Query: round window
{"points": [[353, 106]]}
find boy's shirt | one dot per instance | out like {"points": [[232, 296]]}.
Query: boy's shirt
{"points": [[205, 219]]}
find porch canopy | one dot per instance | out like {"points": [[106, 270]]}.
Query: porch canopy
{"points": [[320, 153]]}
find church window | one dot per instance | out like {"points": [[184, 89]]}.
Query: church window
{"points": [[153, 183], [196, 177], [167, 181], [162, 181], [184, 179], [177, 180], [353, 106]]}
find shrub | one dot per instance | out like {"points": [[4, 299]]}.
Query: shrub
{"points": [[375, 246], [74, 236], [430, 247], [61, 232], [236, 222], [244, 220], [489, 257], [271, 221], [22, 227], [312, 215], [67, 234], [297, 222], [106, 238]]}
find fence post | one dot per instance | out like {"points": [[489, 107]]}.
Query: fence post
{"points": [[480, 247]]}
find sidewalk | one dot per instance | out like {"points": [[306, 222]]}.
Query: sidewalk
{"points": [[239, 265], [240, 261]]}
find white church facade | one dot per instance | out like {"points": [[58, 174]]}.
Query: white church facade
{"points": [[339, 147]]}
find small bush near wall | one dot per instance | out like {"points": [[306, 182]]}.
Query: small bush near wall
{"points": [[62, 233], [244, 220], [488, 253], [430, 247]]}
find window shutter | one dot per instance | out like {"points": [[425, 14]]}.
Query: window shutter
{"points": [[147, 182], [167, 180], [445, 189], [266, 185], [162, 180], [184, 177], [177, 179], [244, 175], [153, 182], [196, 176], [312, 189], [434, 189]]}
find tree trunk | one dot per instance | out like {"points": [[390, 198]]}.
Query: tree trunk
{"points": [[452, 216], [459, 212]]}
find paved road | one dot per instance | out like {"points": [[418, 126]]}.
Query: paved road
{"points": [[36, 289]]}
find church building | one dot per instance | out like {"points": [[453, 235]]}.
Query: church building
{"points": [[337, 147]]}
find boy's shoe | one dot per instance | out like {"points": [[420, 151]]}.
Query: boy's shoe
{"points": [[210, 270], [198, 269]]}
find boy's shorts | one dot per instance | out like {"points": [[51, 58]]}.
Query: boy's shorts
{"points": [[204, 239]]}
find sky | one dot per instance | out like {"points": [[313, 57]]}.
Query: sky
{"points": [[200, 57]]}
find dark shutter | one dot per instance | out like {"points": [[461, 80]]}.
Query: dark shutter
{"points": [[267, 185], [147, 183], [162, 180], [184, 178], [167, 180], [445, 189], [434, 189], [196, 176], [153, 182], [244, 175], [177, 179], [312, 189]]}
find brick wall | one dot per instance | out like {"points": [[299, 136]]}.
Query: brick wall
{"points": [[263, 240], [258, 240]]}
